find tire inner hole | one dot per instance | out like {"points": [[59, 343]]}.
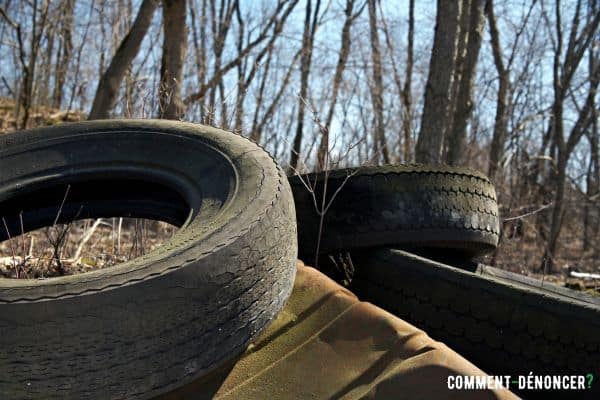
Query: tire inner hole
{"points": [[56, 229]]}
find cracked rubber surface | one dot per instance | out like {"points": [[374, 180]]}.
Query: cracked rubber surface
{"points": [[403, 205], [504, 326], [159, 321]]}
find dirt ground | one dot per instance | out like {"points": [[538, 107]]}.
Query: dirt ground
{"points": [[79, 247]]}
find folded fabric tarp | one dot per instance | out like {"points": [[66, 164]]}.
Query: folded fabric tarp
{"points": [[326, 344]]}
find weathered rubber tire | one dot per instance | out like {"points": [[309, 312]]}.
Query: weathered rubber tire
{"points": [[505, 326], [403, 205], [156, 322]]}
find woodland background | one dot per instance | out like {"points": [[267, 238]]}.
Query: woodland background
{"points": [[507, 87]]}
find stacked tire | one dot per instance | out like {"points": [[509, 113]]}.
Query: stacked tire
{"points": [[415, 206], [413, 233], [164, 319]]}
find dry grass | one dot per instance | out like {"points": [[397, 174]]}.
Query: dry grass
{"points": [[80, 246], [40, 116], [522, 253]]}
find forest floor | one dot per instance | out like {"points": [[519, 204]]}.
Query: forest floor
{"points": [[81, 246], [92, 244], [524, 256]]}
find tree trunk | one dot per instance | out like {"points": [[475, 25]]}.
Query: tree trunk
{"points": [[593, 175], [108, 86], [44, 95], [557, 215], [171, 67], [220, 23], [406, 91], [199, 41], [241, 70], [563, 71], [322, 153], [376, 87], [307, 48], [25, 95], [435, 119], [461, 52], [464, 102], [565, 149], [591, 191], [62, 62], [499, 135]]}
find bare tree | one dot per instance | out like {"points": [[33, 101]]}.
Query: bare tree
{"points": [[464, 77], [592, 184], [308, 36], [284, 8], [245, 78], [592, 205], [499, 136], [337, 80], [64, 51], [199, 41], [28, 56], [406, 91], [220, 21], [434, 121], [171, 67], [376, 88], [259, 122], [108, 86], [566, 62], [500, 132]]}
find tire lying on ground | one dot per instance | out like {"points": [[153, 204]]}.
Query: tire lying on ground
{"points": [[156, 322], [403, 205], [506, 325]]}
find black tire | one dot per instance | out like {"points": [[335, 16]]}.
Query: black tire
{"points": [[156, 322], [505, 326], [403, 205]]}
